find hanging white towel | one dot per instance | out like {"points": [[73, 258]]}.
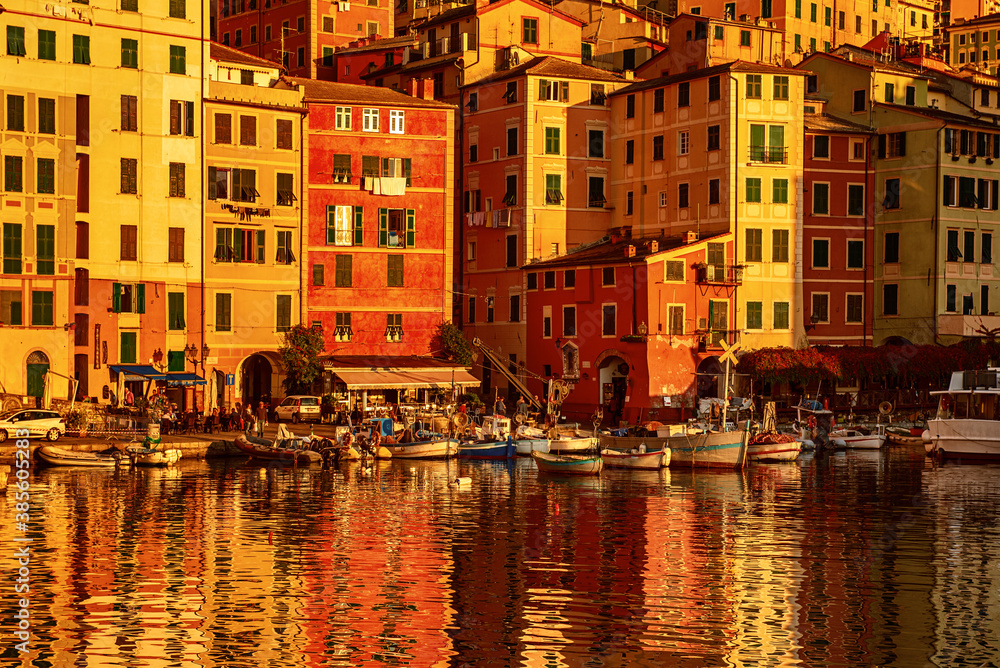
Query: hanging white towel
{"points": [[393, 185]]}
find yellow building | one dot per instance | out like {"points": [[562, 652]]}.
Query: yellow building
{"points": [[254, 152], [101, 204]]}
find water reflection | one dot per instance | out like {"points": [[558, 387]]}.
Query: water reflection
{"points": [[858, 558]]}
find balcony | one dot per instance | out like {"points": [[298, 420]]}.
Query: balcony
{"points": [[967, 325], [720, 274], [772, 155], [440, 47], [709, 339]]}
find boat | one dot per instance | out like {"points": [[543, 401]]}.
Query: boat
{"points": [[854, 439], [566, 445], [773, 447], [649, 461], [490, 450], [440, 448], [142, 456], [530, 439], [567, 464], [966, 424], [56, 456], [723, 449], [284, 450], [908, 439]]}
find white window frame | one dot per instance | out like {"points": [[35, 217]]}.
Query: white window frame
{"points": [[854, 143], [812, 305], [666, 272], [683, 308], [397, 121], [847, 250], [683, 142], [813, 198], [369, 120], [847, 310], [343, 223], [562, 325], [812, 259], [613, 334], [471, 252], [663, 199], [343, 118]]}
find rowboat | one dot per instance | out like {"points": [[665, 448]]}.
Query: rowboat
{"points": [[525, 446], [773, 447], [153, 457], [898, 438], [577, 444], [441, 448], [492, 450], [62, 457], [858, 440], [565, 464], [283, 451], [636, 460], [724, 449]]}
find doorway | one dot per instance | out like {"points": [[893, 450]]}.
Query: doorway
{"points": [[255, 380], [37, 365]]}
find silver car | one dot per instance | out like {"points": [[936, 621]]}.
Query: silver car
{"points": [[298, 408], [39, 423]]}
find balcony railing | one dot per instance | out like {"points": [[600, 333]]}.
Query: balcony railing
{"points": [[713, 338], [723, 274], [775, 155]]}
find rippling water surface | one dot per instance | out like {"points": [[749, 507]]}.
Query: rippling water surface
{"points": [[856, 559]]}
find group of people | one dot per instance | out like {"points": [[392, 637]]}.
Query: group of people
{"points": [[500, 408], [239, 418]]}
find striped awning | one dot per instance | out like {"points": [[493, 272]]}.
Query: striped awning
{"points": [[390, 379], [138, 371]]}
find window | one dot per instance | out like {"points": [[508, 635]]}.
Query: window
{"points": [[658, 96], [744, 38], [181, 118], [891, 247], [369, 119], [630, 106], [511, 141], [282, 313], [713, 191], [714, 140], [954, 254], [608, 320], [176, 179], [511, 260], [45, 249], [177, 9], [986, 252], [682, 195], [714, 88], [46, 45], [683, 142], [629, 152], [128, 174], [344, 225], [175, 310], [46, 176], [129, 242], [595, 191], [15, 113], [755, 315], [551, 141], [15, 41], [754, 86], [890, 93], [342, 168], [608, 277], [283, 134], [13, 173], [820, 311], [223, 312], [11, 248], [779, 246], [319, 274], [855, 254], [515, 308], [248, 130], [855, 200], [327, 50], [394, 327], [892, 145], [629, 202], [284, 254], [779, 191], [684, 94], [754, 245], [854, 312], [891, 199], [178, 60], [343, 118], [969, 254], [510, 194], [342, 331], [397, 121], [569, 321], [81, 49], [780, 315], [129, 113], [821, 147], [223, 129], [474, 153], [394, 278], [343, 271], [753, 190], [663, 199], [286, 189], [510, 94], [41, 308], [472, 309], [569, 278], [821, 198], [553, 189], [529, 33], [780, 88], [890, 296], [860, 100]]}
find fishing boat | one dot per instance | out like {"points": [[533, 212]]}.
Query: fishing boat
{"points": [[967, 423], [903, 438], [722, 449], [773, 447], [56, 456], [648, 461], [576, 444], [440, 448], [854, 439], [567, 464], [142, 456], [492, 450], [530, 439], [285, 450]]}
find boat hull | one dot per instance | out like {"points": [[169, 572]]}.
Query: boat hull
{"points": [[62, 457], [525, 446], [495, 450], [563, 465], [873, 442], [439, 449], [571, 445], [266, 452], [645, 461], [154, 457], [973, 439], [774, 452], [899, 439], [725, 449]]}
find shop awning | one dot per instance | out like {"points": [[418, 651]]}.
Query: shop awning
{"points": [[392, 379], [138, 371], [184, 379]]}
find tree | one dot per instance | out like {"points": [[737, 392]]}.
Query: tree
{"points": [[454, 344], [300, 349]]}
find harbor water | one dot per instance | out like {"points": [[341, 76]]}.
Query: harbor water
{"points": [[852, 559]]}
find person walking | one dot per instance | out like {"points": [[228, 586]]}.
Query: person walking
{"points": [[261, 418]]}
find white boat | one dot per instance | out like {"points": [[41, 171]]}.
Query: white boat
{"points": [[636, 460], [63, 457], [153, 457], [567, 465], [441, 448], [563, 445], [857, 440], [525, 446], [780, 451], [689, 447], [967, 423]]}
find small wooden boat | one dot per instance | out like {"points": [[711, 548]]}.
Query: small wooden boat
{"points": [[525, 446], [577, 444], [648, 461], [493, 450], [858, 440], [773, 447], [893, 437], [441, 448], [567, 464], [62, 457], [153, 456], [284, 451]]}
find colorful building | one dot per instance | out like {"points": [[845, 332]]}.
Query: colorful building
{"points": [[975, 42]]}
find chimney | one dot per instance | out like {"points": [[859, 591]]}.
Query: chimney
{"points": [[428, 92], [690, 237], [654, 246], [630, 250], [629, 75], [413, 87]]}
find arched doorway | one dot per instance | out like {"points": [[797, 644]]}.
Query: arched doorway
{"points": [[255, 379], [37, 365], [613, 373], [709, 376]]}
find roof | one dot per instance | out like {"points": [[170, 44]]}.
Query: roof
{"points": [[372, 363], [550, 66], [611, 252], [543, 5], [863, 59], [981, 20], [449, 16], [825, 123], [379, 45], [329, 91], [735, 66], [940, 115], [227, 54]]}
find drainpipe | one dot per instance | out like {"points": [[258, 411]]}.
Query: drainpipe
{"points": [[736, 184], [935, 227], [201, 208]]}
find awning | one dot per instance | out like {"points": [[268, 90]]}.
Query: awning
{"points": [[391, 379], [138, 371], [184, 379]]}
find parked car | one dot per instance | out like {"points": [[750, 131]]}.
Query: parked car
{"points": [[298, 408], [39, 423]]}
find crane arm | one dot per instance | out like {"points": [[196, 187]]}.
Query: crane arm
{"points": [[501, 366]]}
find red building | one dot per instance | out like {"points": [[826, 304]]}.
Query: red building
{"points": [[373, 62], [379, 239], [837, 229], [630, 322]]}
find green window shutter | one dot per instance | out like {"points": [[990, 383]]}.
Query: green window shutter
{"points": [[331, 227], [116, 297], [220, 244], [212, 176], [260, 246], [385, 166], [383, 228], [237, 245], [359, 231], [411, 228], [406, 170], [140, 298], [127, 353]]}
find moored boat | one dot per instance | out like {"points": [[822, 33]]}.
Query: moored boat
{"points": [[567, 464], [258, 448], [636, 460], [904, 439], [854, 439], [440, 448], [525, 446], [570, 445], [723, 449], [153, 456], [493, 450], [56, 456], [967, 424], [773, 447]]}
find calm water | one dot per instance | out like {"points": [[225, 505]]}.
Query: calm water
{"points": [[857, 559]]}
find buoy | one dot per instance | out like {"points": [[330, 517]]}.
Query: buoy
{"points": [[270, 538], [463, 481], [557, 509]]}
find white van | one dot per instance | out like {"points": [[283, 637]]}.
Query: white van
{"points": [[298, 408]]}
